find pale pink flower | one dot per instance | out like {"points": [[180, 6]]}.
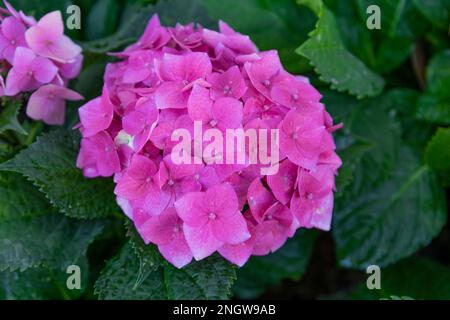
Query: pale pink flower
{"points": [[29, 72], [48, 103], [47, 39], [12, 35]]}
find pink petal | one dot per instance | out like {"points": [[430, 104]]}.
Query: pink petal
{"points": [[237, 253], [52, 24], [230, 229], [49, 110], [191, 209], [43, 69], [171, 95], [97, 114], [199, 104], [259, 199], [228, 113], [201, 241], [282, 183], [16, 82]]}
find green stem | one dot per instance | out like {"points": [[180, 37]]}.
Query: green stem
{"points": [[37, 126]]}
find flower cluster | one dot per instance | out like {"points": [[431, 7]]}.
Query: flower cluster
{"points": [[36, 56], [173, 77]]}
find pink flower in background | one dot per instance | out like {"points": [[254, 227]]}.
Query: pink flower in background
{"points": [[48, 103], [159, 88], [29, 72], [47, 39], [12, 35], [38, 56]]}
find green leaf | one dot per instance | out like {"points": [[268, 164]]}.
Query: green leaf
{"points": [[388, 205], [149, 257], [38, 8], [118, 279], [41, 284], [382, 50], [19, 198], [434, 106], [386, 222], [102, 19], [332, 61], [436, 11], [50, 164], [416, 278], [437, 154], [374, 154], [208, 279], [438, 75], [432, 109], [52, 240], [8, 117], [289, 262]]}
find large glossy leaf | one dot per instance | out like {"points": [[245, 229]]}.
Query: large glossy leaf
{"points": [[437, 154], [42, 284], [383, 223], [417, 278], [434, 106], [19, 198], [436, 11], [51, 240], [384, 49], [102, 19]]}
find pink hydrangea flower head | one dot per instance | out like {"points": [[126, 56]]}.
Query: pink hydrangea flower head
{"points": [[189, 86]]}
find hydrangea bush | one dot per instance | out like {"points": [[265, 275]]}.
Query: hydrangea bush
{"points": [[98, 186]]}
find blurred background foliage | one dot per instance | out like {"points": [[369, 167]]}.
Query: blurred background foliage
{"points": [[390, 88]]}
